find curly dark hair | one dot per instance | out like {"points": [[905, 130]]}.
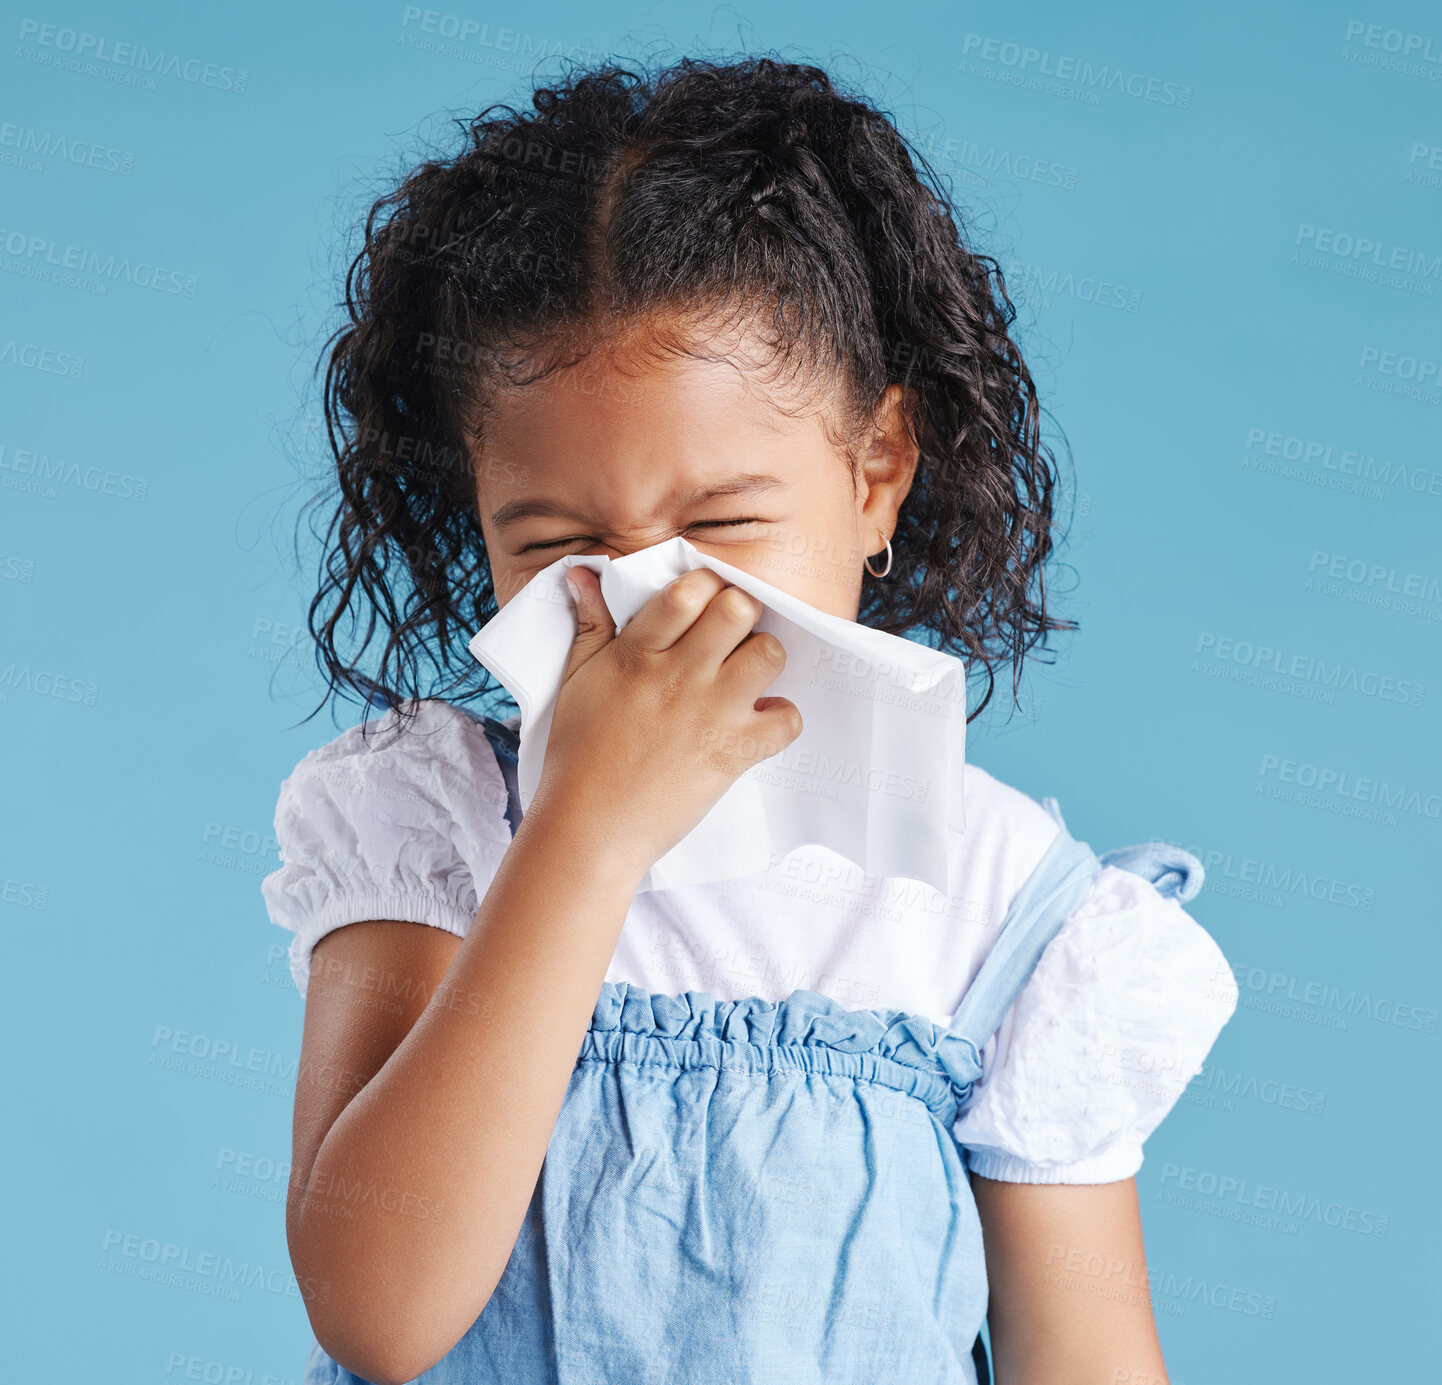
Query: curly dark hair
{"points": [[758, 186]]}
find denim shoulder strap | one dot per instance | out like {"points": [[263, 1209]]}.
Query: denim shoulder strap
{"points": [[1045, 901], [1053, 891], [1175, 872], [504, 742]]}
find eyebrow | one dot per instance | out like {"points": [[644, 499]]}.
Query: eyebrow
{"points": [[748, 483]]}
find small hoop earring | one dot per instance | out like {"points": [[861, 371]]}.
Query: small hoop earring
{"points": [[886, 569]]}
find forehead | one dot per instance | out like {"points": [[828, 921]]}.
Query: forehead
{"points": [[629, 412]]}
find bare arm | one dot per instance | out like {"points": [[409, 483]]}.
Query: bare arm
{"points": [[1069, 1294], [452, 1126], [445, 1106]]}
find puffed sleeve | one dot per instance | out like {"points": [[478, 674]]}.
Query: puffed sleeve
{"points": [[1118, 1014], [394, 824]]}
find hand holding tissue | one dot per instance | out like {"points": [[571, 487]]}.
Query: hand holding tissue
{"points": [[875, 775]]}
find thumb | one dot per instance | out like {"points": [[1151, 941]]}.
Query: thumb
{"points": [[594, 626]]}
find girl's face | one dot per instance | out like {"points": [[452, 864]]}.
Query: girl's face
{"points": [[627, 448]]}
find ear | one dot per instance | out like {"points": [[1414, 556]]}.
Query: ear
{"points": [[889, 460]]}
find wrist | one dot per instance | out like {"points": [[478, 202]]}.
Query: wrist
{"points": [[587, 846]]}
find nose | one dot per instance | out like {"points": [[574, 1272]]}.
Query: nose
{"points": [[648, 536]]}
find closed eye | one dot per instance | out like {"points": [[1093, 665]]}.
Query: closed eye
{"points": [[725, 523], [554, 543], [700, 524]]}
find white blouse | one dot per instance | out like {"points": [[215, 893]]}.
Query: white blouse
{"points": [[1116, 1018]]}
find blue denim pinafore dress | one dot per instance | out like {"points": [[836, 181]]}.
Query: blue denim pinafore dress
{"points": [[752, 1192]]}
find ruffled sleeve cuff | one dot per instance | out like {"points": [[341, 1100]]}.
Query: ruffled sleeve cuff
{"points": [[358, 906], [1116, 1018], [1111, 1166]]}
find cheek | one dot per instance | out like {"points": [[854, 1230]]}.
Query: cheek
{"points": [[508, 576], [812, 567], [506, 585], [818, 554]]}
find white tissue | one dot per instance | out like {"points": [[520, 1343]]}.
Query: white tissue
{"points": [[875, 775]]}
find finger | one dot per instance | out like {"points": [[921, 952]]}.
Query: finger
{"points": [[755, 663], [730, 616], [594, 627], [778, 724], [669, 613]]}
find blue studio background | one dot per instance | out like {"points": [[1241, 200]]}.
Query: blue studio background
{"points": [[1221, 226]]}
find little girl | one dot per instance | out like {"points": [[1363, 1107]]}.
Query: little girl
{"points": [[798, 1126]]}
